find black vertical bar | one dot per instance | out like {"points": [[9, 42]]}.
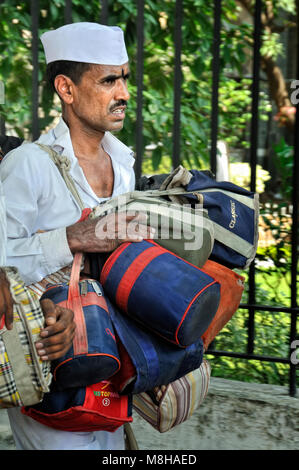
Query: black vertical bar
{"points": [[104, 12], [215, 84], [2, 103], [255, 92], [34, 10], [68, 11], [253, 156], [2, 126], [177, 83], [139, 80], [294, 259]]}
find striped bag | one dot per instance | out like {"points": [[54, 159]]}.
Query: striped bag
{"points": [[178, 402], [24, 378]]}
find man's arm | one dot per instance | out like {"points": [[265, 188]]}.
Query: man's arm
{"points": [[34, 203], [6, 301], [107, 233]]}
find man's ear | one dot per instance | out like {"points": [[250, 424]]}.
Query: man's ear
{"points": [[64, 87]]}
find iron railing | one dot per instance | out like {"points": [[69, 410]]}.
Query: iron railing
{"points": [[251, 306]]}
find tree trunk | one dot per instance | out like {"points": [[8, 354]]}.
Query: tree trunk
{"points": [[278, 88]]}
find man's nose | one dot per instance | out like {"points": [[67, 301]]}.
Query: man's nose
{"points": [[122, 92]]}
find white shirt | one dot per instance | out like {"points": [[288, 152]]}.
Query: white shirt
{"points": [[37, 199], [2, 228]]}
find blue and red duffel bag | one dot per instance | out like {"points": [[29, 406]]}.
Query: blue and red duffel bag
{"points": [[98, 407], [93, 356], [147, 360], [161, 291]]}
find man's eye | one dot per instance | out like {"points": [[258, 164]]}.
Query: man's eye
{"points": [[110, 81]]}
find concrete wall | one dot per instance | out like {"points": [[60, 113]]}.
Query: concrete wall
{"points": [[234, 415]]}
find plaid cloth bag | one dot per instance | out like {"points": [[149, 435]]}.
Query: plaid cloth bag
{"points": [[24, 378], [177, 402]]}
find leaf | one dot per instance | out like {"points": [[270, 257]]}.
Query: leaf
{"points": [[156, 157]]}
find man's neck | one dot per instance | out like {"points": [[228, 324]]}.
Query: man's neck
{"points": [[86, 143]]}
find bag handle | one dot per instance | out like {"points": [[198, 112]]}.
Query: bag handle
{"points": [[80, 341]]}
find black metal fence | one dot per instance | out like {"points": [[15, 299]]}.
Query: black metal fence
{"points": [[251, 306]]}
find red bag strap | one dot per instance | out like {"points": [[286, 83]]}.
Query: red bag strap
{"points": [[80, 342]]}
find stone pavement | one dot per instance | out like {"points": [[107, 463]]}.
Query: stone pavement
{"points": [[234, 416], [6, 439]]}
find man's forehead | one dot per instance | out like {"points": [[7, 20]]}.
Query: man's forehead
{"points": [[104, 70]]}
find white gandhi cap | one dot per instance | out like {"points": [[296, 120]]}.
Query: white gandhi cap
{"points": [[92, 43]]}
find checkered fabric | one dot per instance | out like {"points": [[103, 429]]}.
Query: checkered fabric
{"points": [[24, 378]]}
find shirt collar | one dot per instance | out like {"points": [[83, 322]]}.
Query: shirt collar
{"points": [[113, 146]]}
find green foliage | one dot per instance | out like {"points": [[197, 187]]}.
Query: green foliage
{"points": [[284, 163], [271, 339], [271, 46], [273, 288], [235, 100]]}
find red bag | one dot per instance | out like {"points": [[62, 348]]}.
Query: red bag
{"points": [[97, 407], [231, 290]]}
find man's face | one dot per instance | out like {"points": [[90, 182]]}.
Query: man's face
{"points": [[101, 97]]}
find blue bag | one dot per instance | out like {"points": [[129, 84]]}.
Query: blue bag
{"points": [[156, 362], [233, 210], [93, 356], [161, 291]]}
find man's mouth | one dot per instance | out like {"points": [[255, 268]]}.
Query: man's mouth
{"points": [[119, 109]]}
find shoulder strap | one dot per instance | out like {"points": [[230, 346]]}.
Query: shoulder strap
{"points": [[64, 165], [80, 342]]}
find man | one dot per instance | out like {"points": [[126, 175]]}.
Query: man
{"points": [[88, 66], [60, 327]]}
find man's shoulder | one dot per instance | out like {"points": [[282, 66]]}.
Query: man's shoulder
{"points": [[27, 154]]}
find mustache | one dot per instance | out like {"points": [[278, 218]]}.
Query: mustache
{"points": [[119, 103]]}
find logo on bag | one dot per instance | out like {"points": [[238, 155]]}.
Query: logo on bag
{"points": [[105, 394], [108, 331], [234, 214]]}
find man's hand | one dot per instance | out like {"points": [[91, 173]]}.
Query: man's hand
{"points": [[57, 336], [6, 301], [107, 233]]}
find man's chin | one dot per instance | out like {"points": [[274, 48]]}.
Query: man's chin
{"points": [[110, 127], [117, 127]]}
